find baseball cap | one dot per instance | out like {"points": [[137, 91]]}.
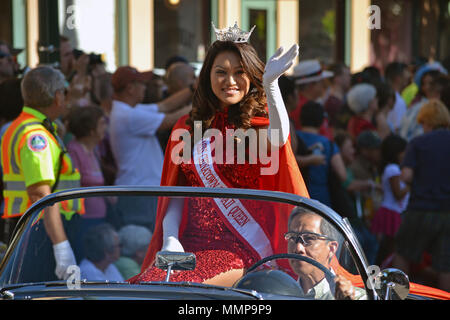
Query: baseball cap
{"points": [[368, 139], [125, 75]]}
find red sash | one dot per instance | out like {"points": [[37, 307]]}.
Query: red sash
{"points": [[232, 211]]}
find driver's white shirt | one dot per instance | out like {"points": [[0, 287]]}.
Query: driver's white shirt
{"points": [[90, 272], [322, 291]]}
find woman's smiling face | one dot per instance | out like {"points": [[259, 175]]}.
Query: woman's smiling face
{"points": [[229, 82]]}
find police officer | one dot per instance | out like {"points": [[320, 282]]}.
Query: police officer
{"points": [[35, 164]]}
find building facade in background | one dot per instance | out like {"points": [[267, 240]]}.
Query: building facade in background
{"points": [[146, 33]]}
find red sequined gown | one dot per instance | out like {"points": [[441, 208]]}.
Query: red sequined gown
{"points": [[216, 248]]}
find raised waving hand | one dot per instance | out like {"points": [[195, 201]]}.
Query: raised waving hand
{"points": [[277, 65]]}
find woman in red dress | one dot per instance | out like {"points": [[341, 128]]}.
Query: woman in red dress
{"points": [[235, 91]]}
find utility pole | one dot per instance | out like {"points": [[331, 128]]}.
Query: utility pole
{"points": [[48, 44]]}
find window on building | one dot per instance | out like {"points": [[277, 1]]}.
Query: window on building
{"points": [[434, 26], [182, 28], [90, 27], [317, 30], [393, 41]]}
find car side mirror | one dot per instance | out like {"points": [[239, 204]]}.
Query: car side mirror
{"points": [[167, 260], [393, 284]]}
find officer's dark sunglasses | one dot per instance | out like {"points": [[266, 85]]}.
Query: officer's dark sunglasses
{"points": [[305, 238]]}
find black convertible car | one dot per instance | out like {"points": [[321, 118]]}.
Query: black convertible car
{"points": [[23, 273]]}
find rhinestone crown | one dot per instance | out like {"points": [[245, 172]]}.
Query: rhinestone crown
{"points": [[234, 34]]}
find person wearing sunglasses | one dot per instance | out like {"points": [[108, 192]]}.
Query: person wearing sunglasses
{"points": [[6, 63], [312, 236]]}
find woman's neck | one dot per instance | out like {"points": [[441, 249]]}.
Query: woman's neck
{"points": [[88, 143]]}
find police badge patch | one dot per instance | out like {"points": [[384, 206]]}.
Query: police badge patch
{"points": [[37, 142]]}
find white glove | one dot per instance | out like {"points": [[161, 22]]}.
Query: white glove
{"points": [[64, 258], [172, 244], [171, 226], [277, 65]]}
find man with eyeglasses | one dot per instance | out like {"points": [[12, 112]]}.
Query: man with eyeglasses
{"points": [[312, 236]]}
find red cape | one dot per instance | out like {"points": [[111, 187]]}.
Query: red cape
{"points": [[288, 179]]}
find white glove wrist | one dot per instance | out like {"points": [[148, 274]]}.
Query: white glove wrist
{"points": [[65, 245], [64, 258], [172, 244]]}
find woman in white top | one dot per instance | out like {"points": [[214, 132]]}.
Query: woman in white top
{"points": [[395, 195]]}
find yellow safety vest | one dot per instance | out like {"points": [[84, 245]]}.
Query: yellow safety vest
{"points": [[28, 131]]}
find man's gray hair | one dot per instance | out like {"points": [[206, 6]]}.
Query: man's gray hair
{"points": [[134, 238], [99, 241], [39, 86], [326, 228]]}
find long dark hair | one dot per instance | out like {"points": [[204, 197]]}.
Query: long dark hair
{"points": [[205, 103], [391, 147]]}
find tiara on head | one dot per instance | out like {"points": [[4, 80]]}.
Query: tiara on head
{"points": [[234, 34]]}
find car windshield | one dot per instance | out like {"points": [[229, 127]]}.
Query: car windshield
{"points": [[110, 242]]}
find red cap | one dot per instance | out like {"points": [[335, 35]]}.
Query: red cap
{"points": [[126, 75]]}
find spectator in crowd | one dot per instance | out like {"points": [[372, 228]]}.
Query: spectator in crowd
{"points": [[11, 104], [135, 241], [156, 87], [362, 100], [6, 62], [102, 94], [169, 62], [88, 125], [88, 67], [312, 236], [134, 144], [354, 187], [346, 147], [179, 76], [102, 249], [66, 57], [410, 92], [339, 85], [432, 84], [426, 224], [418, 77], [5, 47], [388, 217], [386, 102], [175, 59], [311, 118], [398, 76], [372, 75], [309, 78], [365, 167], [303, 155]]}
